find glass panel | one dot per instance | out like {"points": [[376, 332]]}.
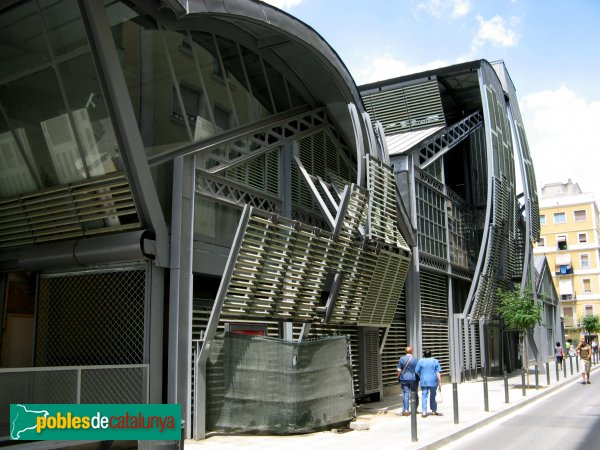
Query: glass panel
{"points": [[36, 111], [148, 77], [17, 171], [248, 108], [190, 85], [278, 88], [41, 145], [86, 101], [258, 83], [63, 25], [22, 43]]}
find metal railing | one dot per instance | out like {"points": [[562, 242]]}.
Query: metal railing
{"points": [[71, 384]]}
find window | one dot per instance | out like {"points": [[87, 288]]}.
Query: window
{"points": [[589, 310], [561, 242], [582, 237], [542, 219], [542, 242], [580, 215], [587, 285], [568, 315], [560, 218], [585, 261]]}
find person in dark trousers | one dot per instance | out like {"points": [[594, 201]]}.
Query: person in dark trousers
{"points": [[429, 371], [559, 355], [406, 375]]}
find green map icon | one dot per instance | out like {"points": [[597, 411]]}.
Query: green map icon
{"points": [[24, 419]]}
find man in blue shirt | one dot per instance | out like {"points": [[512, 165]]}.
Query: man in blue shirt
{"points": [[429, 371], [406, 375]]}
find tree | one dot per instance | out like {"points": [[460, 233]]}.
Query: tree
{"points": [[590, 324], [521, 312]]}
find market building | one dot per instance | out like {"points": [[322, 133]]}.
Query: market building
{"points": [[174, 170]]}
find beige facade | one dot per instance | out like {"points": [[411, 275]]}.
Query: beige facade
{"points": [[570, 240]]}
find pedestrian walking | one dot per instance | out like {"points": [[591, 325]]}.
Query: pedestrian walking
{"points": [[429, 371], [559, 355], [584, 350], [594, 347], [407, 377]]}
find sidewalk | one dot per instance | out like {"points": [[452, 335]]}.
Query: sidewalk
{"points": [[388, 430]]}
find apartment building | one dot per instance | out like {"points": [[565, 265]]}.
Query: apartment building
{"points": [[569, 239]]}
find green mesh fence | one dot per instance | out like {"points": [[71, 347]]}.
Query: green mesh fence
{"points": [[267, 385]]}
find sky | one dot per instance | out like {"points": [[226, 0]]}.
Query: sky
{"points": [[551, 49]]}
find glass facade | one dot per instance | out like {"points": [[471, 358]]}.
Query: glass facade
{"points": [[187, 86], [54, 124]]}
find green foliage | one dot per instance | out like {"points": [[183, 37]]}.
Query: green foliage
{"points": [[590, 324], [519, 309]]}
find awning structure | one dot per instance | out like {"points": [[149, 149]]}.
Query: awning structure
{"points": [[565, 287], [563, 260]]}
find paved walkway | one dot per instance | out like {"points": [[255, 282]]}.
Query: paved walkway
{"points": [[388, 430]]}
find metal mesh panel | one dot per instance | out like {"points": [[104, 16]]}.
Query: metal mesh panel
{"points": [[269, 385], [70, 385], [91, 318], [113, 385], [434, 316]]}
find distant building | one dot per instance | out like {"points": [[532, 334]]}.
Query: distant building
{"points": [[569, 238]]}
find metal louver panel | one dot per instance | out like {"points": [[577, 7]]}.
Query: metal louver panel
{"points": [[434, 316], [406, 108], [395, 343], [369, 363], [98, 206], [260, 173], [352, 261], [280, 271], [384, 289], [382, 212]]}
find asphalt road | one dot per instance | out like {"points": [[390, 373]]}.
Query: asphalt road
{"points": [[568, 419]]}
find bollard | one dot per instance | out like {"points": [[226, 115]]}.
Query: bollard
{"points": [[556, 367], [571, 361], [537, 377], [455, 402], [486, 404], [413, 415], [505, 387], [565, 369], [548, 373], [576, 363], [523, 381]]}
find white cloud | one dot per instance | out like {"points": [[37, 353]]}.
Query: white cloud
{"points": [[496, 32], [439, 9], [561, 128], [284, 4], [382, 67]]}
